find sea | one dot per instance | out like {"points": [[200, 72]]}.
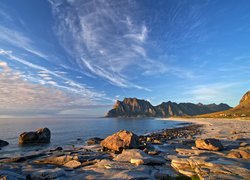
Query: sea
{"points": [[68, 132]]}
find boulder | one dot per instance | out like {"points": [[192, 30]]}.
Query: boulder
{"points": [[209, 144], [3, 143], [121, 140], [42, 135]]}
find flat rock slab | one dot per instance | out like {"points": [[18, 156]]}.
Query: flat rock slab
{"points": [[205, 168], [48, 174], [10, 175]]}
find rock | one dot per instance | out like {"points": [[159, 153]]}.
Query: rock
{"points": [[129, 154], [157, 141], [243, 144], [72, 164], [93, 141], [148, 160], [47, 174], [8, 175], [209, 144], [42, 135], [3, 143], [233, 132], [121, 140], [21, 158], [239, 154], [56, 149], [56, 160], [138, 157], [153, 152]]}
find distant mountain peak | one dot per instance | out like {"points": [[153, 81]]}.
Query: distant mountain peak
{"points": [[133, 107]]}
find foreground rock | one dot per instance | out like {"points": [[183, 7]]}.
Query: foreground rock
{"points": [[212, 167], [42, 135], [3, 143], [138, 157], [209, 144], [121, 140], [56, 173]]}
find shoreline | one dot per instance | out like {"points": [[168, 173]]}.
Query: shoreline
{"points": [[168, 152]]}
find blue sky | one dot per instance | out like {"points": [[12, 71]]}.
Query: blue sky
{"points": [[77, 57]]}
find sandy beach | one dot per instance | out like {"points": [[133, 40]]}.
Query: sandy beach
{"points": [[221, 128]]}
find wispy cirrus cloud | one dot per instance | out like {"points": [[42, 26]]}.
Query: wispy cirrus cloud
{"points": [[104, 39], [62, 81], [17, 39], [212, 93]]}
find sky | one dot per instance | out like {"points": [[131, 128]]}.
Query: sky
{"points": [[76, 57]]}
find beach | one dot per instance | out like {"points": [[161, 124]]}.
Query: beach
{"points": [[168, 153]]}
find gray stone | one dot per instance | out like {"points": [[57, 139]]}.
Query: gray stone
{"points": [[42, 135], [47, 174], [8, 175], [3, 143]]}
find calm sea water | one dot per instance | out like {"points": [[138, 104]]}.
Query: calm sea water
{"points": [[66, 131]]}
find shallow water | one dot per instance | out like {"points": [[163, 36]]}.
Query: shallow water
{"points": [[66, 131]]}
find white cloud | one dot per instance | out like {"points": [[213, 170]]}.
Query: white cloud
{"points": [[71, 86], [211, 93], [19, 40], [19, 96], [103, 39]]}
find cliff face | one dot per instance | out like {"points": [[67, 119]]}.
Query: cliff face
{"points": [[241, 110], [133, 107]]}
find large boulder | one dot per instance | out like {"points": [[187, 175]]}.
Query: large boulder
{"points": [[209, 144], [3, 143], [42, 135], [121, 140]]}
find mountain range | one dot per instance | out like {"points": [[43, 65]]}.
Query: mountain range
{"points": [[133, 107]]}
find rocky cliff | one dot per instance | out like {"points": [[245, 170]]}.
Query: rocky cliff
{"points": [[133, 107]]}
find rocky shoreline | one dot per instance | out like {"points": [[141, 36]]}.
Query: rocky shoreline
{"points": [[180, 153]]}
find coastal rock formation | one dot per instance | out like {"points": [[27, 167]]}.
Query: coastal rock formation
{"points": [[209, 144], [3, 143], [133, 107], [121, 140], [241, 110], [42, 135]]}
